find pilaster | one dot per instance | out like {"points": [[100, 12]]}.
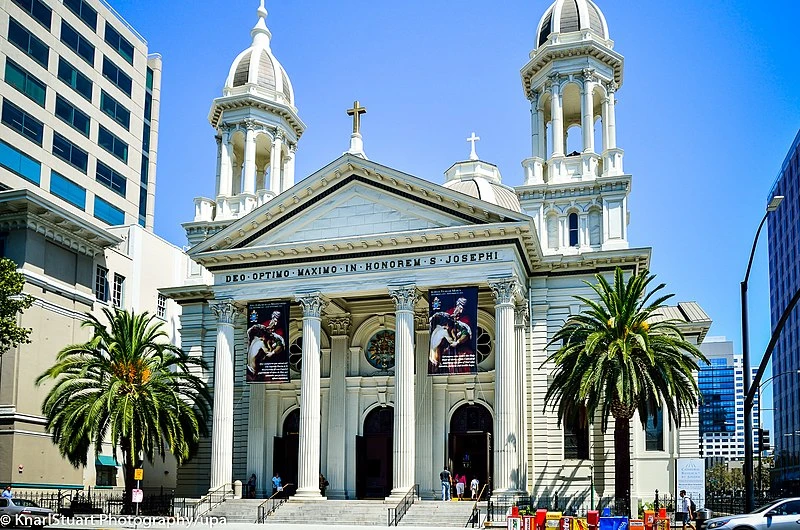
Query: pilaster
{"points": [[339, 327], [521, 316], [424, 398]]}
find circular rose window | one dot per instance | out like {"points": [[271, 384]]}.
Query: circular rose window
{"points": [[380, 350]]}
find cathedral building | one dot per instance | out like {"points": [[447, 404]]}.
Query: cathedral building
{"points": [[376, 326]]}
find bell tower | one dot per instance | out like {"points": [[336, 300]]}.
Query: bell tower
{"points": [[257, 130], [575, 188]]}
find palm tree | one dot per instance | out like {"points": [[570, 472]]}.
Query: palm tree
{"points": [[617, 358], [127, 386]]}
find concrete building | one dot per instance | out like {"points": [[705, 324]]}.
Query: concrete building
{"points": [[784, 281], [79, 107], [722, 410], [356, 251]]}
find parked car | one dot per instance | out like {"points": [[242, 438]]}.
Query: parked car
{"points": [[16, 512], [783, 514]]}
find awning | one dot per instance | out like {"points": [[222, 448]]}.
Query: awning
{"points": [[106, 460]]}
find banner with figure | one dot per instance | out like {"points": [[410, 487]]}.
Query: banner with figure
{"points": [[268, 342], [454, 330]]}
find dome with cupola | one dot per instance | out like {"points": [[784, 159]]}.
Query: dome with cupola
{"points": [[257, 71], [568, 16]]}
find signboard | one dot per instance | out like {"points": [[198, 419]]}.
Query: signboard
{"points": [[454, 330], [138, 496], [692, 478], [268, 342], [348, 268], [138, 474]]}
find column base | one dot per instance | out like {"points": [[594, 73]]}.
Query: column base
{"points": [[397, 495], [308, 495]]}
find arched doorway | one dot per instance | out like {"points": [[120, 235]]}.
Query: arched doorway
{"points": [[470, 444], [374, 455], [284, 459]]}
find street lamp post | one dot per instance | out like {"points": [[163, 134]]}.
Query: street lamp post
{"points": [[748, 413], [760, 427]]}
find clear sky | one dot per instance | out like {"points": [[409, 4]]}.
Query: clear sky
{"points": [[708, 108]]}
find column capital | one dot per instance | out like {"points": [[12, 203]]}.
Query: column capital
{"points": [[312, 304], [521, 315], [404, 296], [612, 87], [506, 291], [339, 324], [589, 75], [279, 134], [224, 310], [554, 81], [250, 125], [422, 321]]}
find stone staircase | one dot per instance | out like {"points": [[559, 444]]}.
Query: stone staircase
{"points": [[237, 510], [324, 513], [453, 514]]}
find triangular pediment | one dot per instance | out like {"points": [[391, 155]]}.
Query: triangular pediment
{"points": [[358, 203]]}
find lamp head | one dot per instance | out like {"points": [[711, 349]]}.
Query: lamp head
{"points": [[774, 203]]}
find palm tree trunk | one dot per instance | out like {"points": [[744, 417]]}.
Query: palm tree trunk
{"points": [[622, 465], [130, 483]]}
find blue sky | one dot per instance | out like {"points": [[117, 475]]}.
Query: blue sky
{"points": [[706, 113]]}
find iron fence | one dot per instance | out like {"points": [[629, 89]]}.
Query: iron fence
{"points": [[576, 506], [156, 501]]}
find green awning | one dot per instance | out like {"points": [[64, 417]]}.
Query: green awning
{"points": [[106, 460]]}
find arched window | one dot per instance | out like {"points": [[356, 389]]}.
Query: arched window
{"points": [[573, 229]]}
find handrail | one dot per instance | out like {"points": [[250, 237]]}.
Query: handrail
{"points": [[395, 514], [209, 499], [277, 499], [476, 513]]}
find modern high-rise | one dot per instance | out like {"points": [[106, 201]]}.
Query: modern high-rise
{"points": [[722, 410], [784, 281], [79, 107]]}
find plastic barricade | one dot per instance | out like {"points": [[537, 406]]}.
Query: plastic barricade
{"points": [[553, 520], [649, 519]]}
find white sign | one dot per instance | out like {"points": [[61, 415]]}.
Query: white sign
{"points": [[366, 266], [692, 478], [138, 495]]}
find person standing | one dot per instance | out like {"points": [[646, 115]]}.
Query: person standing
{"points": [[685, 511], [323, 484], [251, 486], [473, 486], [276, 483], [444, 476], [7, 493], [461, 485]]}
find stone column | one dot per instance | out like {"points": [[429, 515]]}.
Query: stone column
{"points": [[535, 128], [557, 119], [222, 417], [424, 473], [542, 134], [250, 159], [587, 124], [337, 413], [256, 435], [218, 138], [288, 168], [309, 446], [612, 127], [275, 157], [225, 165], [506, 461], [521, 354], [404, 456]]}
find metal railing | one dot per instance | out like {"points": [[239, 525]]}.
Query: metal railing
{"points": [[395, 514], [156, 501], [212, 499], [274, 502], [475, 516]]}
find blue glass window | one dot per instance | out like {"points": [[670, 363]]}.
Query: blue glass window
{"points": [[69, 152], [70, 114], [20, 163], [22, 122], [110, 178], [25, 41], [115, 109], [76, 80], [25, 82], [77, 43], [119, 43], [112, 144], [38, 10], [107, 213], [61, 186], [654, 433], [112, 72], [84, 11]]}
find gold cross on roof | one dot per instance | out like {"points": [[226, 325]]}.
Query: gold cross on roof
{"points": [[356, 113]]}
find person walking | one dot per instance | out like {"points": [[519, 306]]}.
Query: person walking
{"points": [[444, 476], [473, 486], [7, 493], [461, 485], [685, 514], [276, 483]]}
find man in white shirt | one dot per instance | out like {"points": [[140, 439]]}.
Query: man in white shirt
{"points": [[685, 511]]}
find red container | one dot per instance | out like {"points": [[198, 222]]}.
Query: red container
{"points": [[593, 519], [540, 518]]}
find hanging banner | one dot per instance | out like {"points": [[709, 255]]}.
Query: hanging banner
{"points": [[268, 342], [454, 330]]}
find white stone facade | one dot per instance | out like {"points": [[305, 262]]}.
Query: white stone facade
{"points": [[356, 250]]}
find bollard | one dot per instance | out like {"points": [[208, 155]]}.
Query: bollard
{"points": [[237, 489]]}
